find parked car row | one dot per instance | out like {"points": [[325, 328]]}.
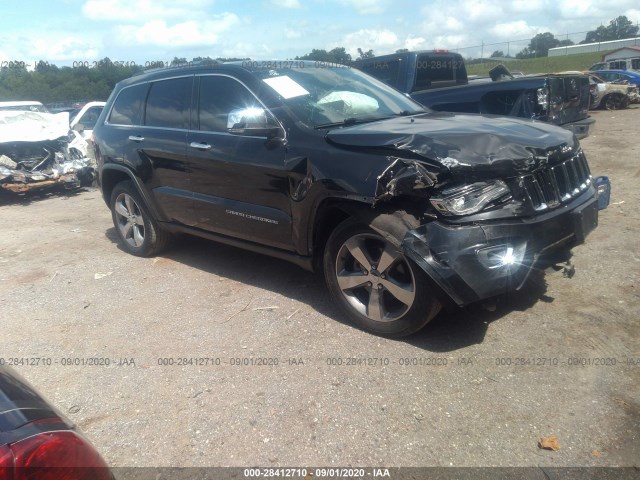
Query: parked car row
{"points": [[609, 95]]}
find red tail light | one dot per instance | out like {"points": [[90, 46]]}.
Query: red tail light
{"points": [[52, 456]]}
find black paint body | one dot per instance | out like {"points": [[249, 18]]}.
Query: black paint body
{"points": [[272, 195]]}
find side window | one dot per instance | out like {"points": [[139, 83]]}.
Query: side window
{"points": [[168, 103], [128, 107], [386, 71], [218, 97]]}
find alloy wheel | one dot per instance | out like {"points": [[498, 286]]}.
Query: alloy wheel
{"points": [[375, 278], [130, 220]]}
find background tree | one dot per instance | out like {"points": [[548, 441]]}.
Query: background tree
{"points": [[497, 53], [618, 29], [540, 44], [337, 55], [178, 61], [362, 55], [402, 50]]}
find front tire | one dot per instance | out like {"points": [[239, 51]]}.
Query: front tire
{"points": [[615, 101], [138, 231], [375, 284]]}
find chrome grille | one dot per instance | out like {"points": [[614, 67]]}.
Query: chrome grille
{"points": [[549, 187]]}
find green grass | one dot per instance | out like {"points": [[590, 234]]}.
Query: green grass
{"points": [[579, 61]]}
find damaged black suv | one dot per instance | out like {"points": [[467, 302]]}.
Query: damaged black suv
{"points": [[403, 209]]}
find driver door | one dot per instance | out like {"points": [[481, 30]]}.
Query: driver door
{"points": [[239, 182]]}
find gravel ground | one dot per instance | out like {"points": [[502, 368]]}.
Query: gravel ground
{"points": [[274, 384]]}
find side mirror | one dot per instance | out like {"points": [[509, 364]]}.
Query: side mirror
{"points": [[78, 127], [251, 122]]}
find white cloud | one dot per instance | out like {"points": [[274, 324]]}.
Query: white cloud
{"points": [[528, 6], [368, 39], [184, 34], [415, 43], [367, 7], [515, 30], [139, 11], [286, 3], [65, 48], [479, 11], [633, 14], [291, 33]]}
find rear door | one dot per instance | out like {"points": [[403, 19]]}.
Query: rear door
{"points": [[151, 121], [239, 183]]}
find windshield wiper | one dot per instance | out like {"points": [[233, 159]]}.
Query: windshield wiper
{"points": [[354, 120], [346, 121]]}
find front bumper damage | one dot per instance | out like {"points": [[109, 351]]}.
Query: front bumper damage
{"points": [[35, 153], [477, 261]]}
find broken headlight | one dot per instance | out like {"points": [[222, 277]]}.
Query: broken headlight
{"points": [[470, 198]]}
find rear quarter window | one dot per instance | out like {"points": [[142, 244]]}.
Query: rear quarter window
{"points": [[129, 105]]}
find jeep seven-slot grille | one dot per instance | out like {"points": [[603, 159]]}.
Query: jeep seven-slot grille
{"points": [[549, 187]]}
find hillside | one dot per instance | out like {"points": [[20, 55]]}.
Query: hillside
{"points": [[580, 61]]}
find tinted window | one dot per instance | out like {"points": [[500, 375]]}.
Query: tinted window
{"points": [[218, 96], [439, 70], [128, 107], [385, 71], [168, 103]]}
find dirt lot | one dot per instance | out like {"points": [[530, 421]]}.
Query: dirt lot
{"points": [[70, 294]]}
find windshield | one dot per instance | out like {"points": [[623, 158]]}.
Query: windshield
{"points": [[326, 94]]}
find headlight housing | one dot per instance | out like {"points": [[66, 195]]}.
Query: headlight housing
{"points": [[469, 199]]}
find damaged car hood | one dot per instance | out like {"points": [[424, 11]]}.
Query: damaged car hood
{"points": [[462, 143], [21, 126], [35, 153]]}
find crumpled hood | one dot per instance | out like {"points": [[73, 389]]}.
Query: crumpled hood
{"points": [[463, 143]]}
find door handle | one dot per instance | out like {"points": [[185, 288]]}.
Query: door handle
{"points": [[200, 146], [136, 138]]}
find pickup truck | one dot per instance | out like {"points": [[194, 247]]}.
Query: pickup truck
{"points": [[438, 80]]}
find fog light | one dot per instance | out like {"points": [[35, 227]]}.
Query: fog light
{"points": [[508, 258], [500, 256]]}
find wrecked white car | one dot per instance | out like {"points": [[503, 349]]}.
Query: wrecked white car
{"points": [[35, 154]]}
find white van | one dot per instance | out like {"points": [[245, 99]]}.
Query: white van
{"points": [[632, 63]]}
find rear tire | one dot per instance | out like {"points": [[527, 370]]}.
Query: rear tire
{"points": [[377, 287], [138, 232]]}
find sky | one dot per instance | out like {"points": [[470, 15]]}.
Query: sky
{"points": [[68, 31]]}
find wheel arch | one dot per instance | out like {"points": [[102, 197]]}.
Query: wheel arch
{"points": [[391, 220], [112, 175]]}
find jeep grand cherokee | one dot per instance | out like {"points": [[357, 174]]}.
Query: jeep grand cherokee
{"points": [[322, 165]]}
